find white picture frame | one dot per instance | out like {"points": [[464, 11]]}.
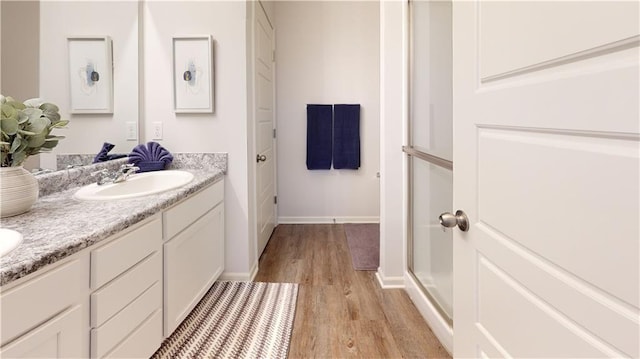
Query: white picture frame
{"points": [[193, 74], [90, 74]]}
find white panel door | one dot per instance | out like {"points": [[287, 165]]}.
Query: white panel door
{"points": [[264, 117], [546, 163]]}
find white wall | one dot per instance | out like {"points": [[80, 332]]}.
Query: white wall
{"points": [[327, 52], [393, 97], [223, 131], [119, 20]]}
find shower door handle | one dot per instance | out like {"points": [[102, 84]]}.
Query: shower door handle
{"points": [[459, 219]]}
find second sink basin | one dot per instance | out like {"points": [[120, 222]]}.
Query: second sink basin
{"points": [[9, 240], [137, 185]]}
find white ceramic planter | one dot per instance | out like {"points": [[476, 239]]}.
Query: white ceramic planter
{"points": [[18, 191]]}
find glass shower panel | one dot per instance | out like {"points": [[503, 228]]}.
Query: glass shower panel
{"points": [[431, 78], [432, 252]]}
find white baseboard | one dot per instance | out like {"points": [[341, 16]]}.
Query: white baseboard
{"points": [[235, 277], [327, 220], [240, 276], [389, 282], [438, 325]]}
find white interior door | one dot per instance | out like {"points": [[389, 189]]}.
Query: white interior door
{"points": [[546, 163], [264, 114]]}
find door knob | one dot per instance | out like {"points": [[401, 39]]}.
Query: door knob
{"points": [[459, 219], [261, 158]]}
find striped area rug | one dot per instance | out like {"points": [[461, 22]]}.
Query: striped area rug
{"points": [[236, 320]]}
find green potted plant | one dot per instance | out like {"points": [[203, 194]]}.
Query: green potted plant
{"points": [[26, 131]]}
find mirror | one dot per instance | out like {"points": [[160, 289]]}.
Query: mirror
{"points": [[34, 63]]}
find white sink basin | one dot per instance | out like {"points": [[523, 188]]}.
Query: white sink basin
{"points": [[9, 240], [137, 185]]}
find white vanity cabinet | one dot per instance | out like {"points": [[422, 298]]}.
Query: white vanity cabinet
{"points": [[46, 316], [122, 296], [126, 302], [193, 252]]}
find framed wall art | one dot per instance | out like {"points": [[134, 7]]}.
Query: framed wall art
{"points": [[90, 74], [193, 74]]}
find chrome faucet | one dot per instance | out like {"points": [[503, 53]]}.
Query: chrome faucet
{"points": [[121, 175], [39, 171], [125, 171]]}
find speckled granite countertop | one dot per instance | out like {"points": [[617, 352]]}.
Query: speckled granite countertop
{"points": [[58, 225]]}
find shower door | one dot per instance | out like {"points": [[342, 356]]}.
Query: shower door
{"points": [[430, 152]]}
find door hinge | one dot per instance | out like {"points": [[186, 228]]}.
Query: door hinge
{"points": [[275, 199], [274, 133]]}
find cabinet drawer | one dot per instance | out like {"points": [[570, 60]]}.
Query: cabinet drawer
{"points": [[123, 324], [182, 215], [41, 298], [144, 341], [116, 295], [110, 260]]}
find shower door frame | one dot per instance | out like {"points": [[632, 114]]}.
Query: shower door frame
{"points": [[410, 152]]}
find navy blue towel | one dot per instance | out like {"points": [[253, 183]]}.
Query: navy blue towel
{"points": [[104, 155], [150, 157], [346, 137], [319, 136]]}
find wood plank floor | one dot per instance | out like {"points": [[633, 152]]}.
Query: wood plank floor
{"points": [[342, 312]]}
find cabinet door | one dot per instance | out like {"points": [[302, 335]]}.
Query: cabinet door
{"points": [[47, 293], [193, 260], [60, 337]]}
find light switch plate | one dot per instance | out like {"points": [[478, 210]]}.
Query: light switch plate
{"points": [[157, 130], [132, 131]]}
